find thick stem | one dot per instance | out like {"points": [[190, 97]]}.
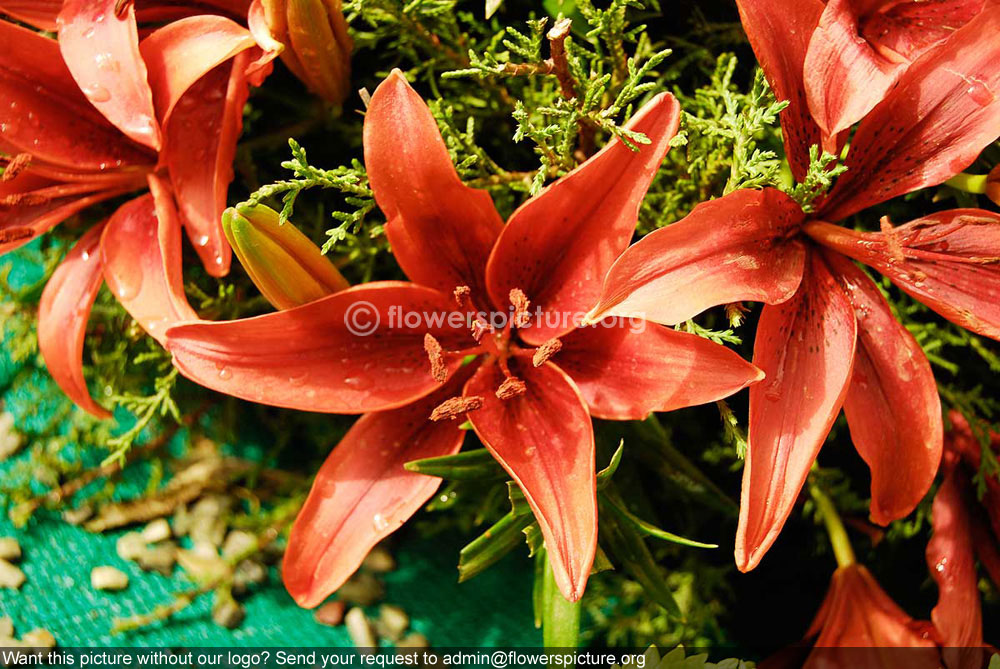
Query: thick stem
{"points": [[560, 618], [842, 549]]}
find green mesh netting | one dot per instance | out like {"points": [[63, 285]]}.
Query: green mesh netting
{"points": [[493, 609]]}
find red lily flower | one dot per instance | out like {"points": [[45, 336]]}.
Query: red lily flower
{"points": [[534, 383], [858, 622], [826, 336], [834, 61], [64, 154]]}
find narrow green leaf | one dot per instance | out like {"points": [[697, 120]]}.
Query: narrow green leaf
{"points": [[465, 466], [648, 529], [604, 476], [627, 547], [489, 547]]}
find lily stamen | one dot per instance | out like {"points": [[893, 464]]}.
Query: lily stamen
{"points": [[511, 387], [436, 356], [544, 352], [521, 303], [454, 407], [15, 166]]}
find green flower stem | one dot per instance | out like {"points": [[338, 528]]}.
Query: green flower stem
{"points": [[970, 183], [842, 549], [560, 618]]}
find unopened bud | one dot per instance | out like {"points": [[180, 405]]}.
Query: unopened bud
{"points": [[282, 262], [317, 46]]}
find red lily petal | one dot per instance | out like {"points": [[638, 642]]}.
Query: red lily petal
{"points": [[630, 369], [182, 52], [806, 348], [848, 76], [350, 352], [986, 550], [779, 32], [46, 115], [167, 10], [558, 245], [441, 230], [101, 49], [39, 13], [951, 561], [950, 261], [545, 440], [892, 405], [141, 249], [31, 205], [362, 494], [859, 617], [738, 247], [933, 124], [205, 126], [62, 318]]}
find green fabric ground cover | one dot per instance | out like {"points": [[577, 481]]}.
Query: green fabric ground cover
{"points": [[494, 609]]}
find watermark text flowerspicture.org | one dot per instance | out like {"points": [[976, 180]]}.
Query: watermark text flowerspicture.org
{"points": [[364, 319]]}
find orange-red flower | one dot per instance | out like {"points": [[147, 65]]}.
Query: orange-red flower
{"points": [[415, 356], [122, 116], [826, 336]]}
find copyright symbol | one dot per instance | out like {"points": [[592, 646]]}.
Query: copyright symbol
{"points": [[361, 319], [499, 659]]}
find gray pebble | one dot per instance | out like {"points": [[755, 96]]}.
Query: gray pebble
{"points": [[156, 531], [362, 589], [228, 613], [130, 546], [379, 560]]}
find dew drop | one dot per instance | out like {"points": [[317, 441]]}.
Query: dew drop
{"points": [[225, 374], [980, 92], [380, 523], [107, 62], [88, 33], [203, 240], [97, 93]]}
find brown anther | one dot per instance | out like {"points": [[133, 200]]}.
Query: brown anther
{"points": [[454, 407], [24, 199], [511, 387], [8, 235], [462, 295], [15, 166], [545, 351], [479, 328], [436, 355], [892, 240], [520, 303]]}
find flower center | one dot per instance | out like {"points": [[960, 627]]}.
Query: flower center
{"points": [[497, 345]]}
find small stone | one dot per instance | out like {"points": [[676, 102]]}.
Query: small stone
{"points": [[202, 568], [159, 558], [180, 523], [379, 560], [10, 549], [392, 622], [238, 542], [362, 589], [6, 628], [10, 575], [247, 573], [228, 613], [10, 440], [130, 546], [156, 531], [359, 629], [207, 521], [79, 515], [39, 638], [413, 640], [331, 613], [108, 578]]}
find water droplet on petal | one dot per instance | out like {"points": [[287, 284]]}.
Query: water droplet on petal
{"points": [[380, 523], [97, 93]]}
